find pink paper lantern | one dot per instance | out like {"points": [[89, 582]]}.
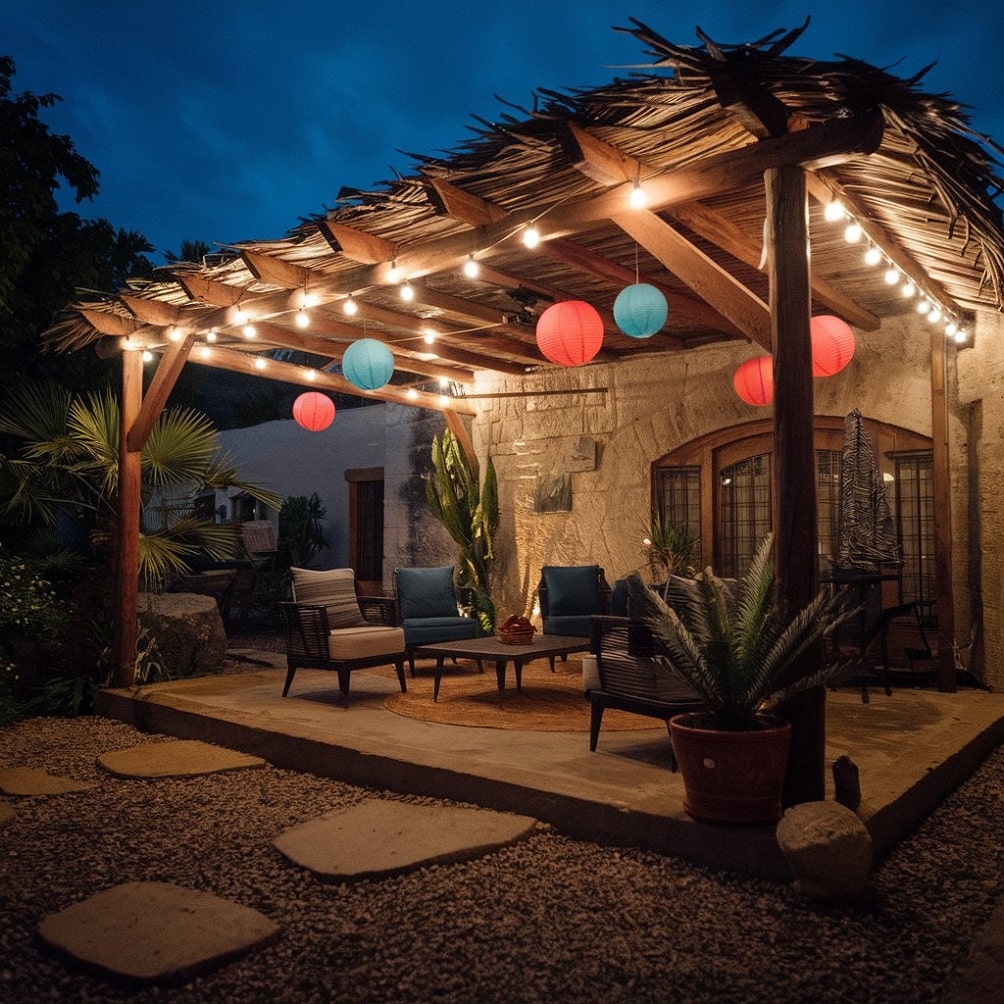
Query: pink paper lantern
{"points": [[832, 344], [754, 380], [569, 332], [314, 411]]}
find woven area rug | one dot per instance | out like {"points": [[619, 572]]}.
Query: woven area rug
{"points": [[550, 702]]}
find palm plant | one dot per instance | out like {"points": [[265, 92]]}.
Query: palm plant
{"points": [[738, 648], [67, 464], [669, 548], [470, 515]]}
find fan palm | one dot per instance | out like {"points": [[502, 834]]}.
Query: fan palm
{"points": [[737, 647], [68, 463]]}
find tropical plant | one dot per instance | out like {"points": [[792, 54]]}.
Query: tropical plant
{"points": [[737, 647], [67, 465], [669, 548], [300, 532], [470, 514]]}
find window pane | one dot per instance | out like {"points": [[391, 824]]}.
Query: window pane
{"points": [[678, 497], [828, 501], [369, 530], [915, 520], [744, 512]]}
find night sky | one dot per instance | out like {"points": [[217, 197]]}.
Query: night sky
{"points": [[230, 122]]}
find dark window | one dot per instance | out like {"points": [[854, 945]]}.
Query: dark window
{"points": [[744, 512], [915, 522], [369, 530], [678, 497]]}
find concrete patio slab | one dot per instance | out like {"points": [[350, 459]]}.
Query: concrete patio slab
{"points": [[183, 758], [26, 781], [379, 837], [156, 931]]}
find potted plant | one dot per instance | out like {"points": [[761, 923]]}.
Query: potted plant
{"points": [[736, 646], [669, 548]]}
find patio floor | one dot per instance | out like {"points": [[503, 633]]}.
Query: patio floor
{"points": [[911, 749]]}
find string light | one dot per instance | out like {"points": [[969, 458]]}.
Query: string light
{"points": [[211, 335], [302, 318], [407, 292], [147, 356], [852, 233], [350, 307], [638, 199], [471, 268], [531, 236], [393, 273], [205, 352], [175, 334], [249, 331], [260, 363], [429, 336], [412, 394], [834, 211], [311, 375]]}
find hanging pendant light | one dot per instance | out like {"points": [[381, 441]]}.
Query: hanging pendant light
{"points": [[832, 344], [570, 332], [368, 364], [753, 380], [314, 411], [640, 310]]}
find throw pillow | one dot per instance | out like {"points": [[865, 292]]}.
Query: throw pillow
{"points": [[426, 592], [572, 590], [334, 588]]}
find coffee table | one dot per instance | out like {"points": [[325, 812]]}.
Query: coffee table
{"points": [[543, 646]]}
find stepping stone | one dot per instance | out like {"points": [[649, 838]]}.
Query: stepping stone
{"points": [[33, 781], [184, 758], [378, 837], [155, 931]]}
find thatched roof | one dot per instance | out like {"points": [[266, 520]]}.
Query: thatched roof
{"points": [[697, 128]]}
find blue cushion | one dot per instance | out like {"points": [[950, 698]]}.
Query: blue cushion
{"points": [[429, 630], [572, 589], [579, 626], [426, 592], [619, 599]]}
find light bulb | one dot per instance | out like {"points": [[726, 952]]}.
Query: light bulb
{"points": [[923, 307], [412, 394], [175, 334], [259, 363], [638, 199], [950, 328], [429, 336], [834, 211], [852, 233], [240, 316], [531, 237], [147, 356], [873, 256], [891, 276], [211, 335], [311, 375], [471, 268], [909, 289], [935, 315], [393, 273], [205, 351], [302, 319], [407, 292], [444, 381], [960, 336], [350, 307], [249, 331], [444, 400], [309, 300]]}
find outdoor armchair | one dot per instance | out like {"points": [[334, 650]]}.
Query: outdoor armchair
{"points": [[428, 610], [631, 679], [328, 627], [569, 596]]}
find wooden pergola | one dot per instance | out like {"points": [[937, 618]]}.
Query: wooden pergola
{"points": [[741, 152]]}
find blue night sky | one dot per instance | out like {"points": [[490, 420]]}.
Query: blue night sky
{"points": [[230, 122]]}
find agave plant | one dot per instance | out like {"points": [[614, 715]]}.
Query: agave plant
{"points": [[470, 515], [67, 462], [736, 646]]}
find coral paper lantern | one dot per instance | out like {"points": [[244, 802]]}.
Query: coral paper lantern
{"points": [[754, 380], [640, 310], [368, 364], [569, 332], [832, 344], [314, 411]]}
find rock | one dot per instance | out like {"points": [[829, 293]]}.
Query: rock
{"points": [[188, 632], [846, 782], [828, 848]]}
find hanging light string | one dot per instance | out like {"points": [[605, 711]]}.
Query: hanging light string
{"points": [[928, 306]]}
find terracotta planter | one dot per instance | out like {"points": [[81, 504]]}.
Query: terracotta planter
{"points": [[731, 777]]}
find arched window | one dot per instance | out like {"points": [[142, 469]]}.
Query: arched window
{"points": [[721, 487]]}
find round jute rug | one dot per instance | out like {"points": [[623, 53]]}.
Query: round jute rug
{"points": [[549, 702]]}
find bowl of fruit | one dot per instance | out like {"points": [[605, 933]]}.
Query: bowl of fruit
{"points": [[515, 630]]}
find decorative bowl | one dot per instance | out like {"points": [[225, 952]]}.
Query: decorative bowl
{"points": [[515, 637]]}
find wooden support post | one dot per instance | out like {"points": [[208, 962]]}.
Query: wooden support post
{"points": [[795, 458], [942, 479], [127, 538]]}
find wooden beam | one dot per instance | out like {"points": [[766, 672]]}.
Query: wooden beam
{"points": [[275, 271], [150, 311], [795, 461], [706, 278], [127, 536], [172, 362], [208, 291], [106, 323], [449, 200], [356, 244], [717, 228], [596, 159]]}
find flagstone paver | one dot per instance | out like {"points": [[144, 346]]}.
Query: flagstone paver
{"points": [[379, 837], [33, 781], [183, 758], [156, 931]]}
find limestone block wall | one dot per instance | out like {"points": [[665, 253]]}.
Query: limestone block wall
{"points": [[977, 496], [605, 425]]}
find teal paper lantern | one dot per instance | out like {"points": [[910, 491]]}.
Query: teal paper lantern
{"points": [[640, 310], [368, 364]]}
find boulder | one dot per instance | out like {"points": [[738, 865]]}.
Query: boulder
{"points": [[187, 632], [828, 848]]}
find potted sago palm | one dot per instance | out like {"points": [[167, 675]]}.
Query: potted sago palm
{"points": [[740, 650]]}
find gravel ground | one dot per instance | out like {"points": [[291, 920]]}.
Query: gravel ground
{"points": [[550, 919]]}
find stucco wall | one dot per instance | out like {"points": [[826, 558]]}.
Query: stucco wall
{"points": [[650, 406]]}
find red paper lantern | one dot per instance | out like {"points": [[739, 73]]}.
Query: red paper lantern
{"points": [[754, 380], [570, 332], [832, 344], [314, 411]]}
